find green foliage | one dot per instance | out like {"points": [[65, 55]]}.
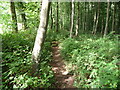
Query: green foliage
{"points": [[32, 13], [94, 57], [17, 64], [56, 36], [95, 60], [5, 19]]}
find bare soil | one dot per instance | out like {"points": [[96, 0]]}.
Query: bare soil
{"points": [[62, 76]]}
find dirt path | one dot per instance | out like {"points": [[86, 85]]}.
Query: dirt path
{"points": [[62, 77]]}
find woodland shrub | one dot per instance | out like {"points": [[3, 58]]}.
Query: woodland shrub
{"points": [[95, 60], [16, 56], [56, 36]]}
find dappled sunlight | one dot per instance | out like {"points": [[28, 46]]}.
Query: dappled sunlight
{"points": [[60, 45], [62, 77]]}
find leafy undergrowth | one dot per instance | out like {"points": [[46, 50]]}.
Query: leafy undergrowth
{"points": [[93, 60], [57, 36], [16, 63]]}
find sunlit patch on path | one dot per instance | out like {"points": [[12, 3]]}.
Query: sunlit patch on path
{"points": [[62, 77]]}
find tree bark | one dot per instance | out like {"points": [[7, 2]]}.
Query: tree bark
{"points": [[72, 19], [81, 20], [57, 19], [51, 18], [78, 20], [84, 28], [113, 18], [107, 17], [92, 16], [23, 16], [95, 30], [40, 37], [95, 16], [116, 17], [14, 17], [118, 24], [102, 26], [88, 15]]}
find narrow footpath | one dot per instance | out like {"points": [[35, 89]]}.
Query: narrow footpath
{"points": [[62, 76]]}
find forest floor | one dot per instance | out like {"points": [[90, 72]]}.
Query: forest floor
{"points": [[62, 76]]}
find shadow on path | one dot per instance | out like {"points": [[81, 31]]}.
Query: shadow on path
{"points": [[62, 77]]}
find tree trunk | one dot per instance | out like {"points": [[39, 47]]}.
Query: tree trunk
{"points": [[84, 28], [72, 19], [40, 37], [51, 18], [113, 18], [81, 20], [107, 17], [77, 25], [22, 8], [102, 27], [57, 19], [88, 15], [118, 24], [14, 17], [97, 18], [116, 18], [92, 17]]}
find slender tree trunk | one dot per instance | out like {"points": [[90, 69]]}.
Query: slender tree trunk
{"points": [[97, 18], [107, 17], [51, 18], [22, 8], [54, 22], [14, 17], [102, 28], [113, 18], [110, 18], [40, 37], [118, 30], [88, 15], [116, 17], [84, 17], [57, 19], [72, 19], [60, 18], [92, 16], [94, 22], [70, 13], [81, 19], [77, 25]]}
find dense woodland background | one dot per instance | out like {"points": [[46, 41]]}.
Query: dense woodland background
{"points": [[88, 36]]}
